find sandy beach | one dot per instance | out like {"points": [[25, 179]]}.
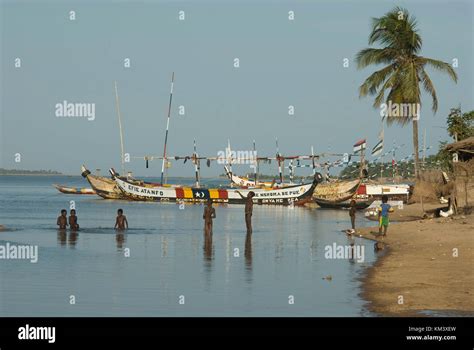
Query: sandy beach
{"points": [[426, 266]]}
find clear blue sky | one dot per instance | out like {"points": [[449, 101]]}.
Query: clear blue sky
{"points": [[283, 63]]}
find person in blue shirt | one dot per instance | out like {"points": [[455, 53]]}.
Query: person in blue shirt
{"points": [[384, 210]]}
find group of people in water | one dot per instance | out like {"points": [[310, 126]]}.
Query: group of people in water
{"points": [[121, 222], [210, 213], [63, 222]]}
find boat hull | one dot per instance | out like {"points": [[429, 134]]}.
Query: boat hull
{"points": [[104, 187], [74, 190], [291, 195], [360, 204]]}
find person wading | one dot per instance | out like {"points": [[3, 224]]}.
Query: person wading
{"points": [[249, 211]]}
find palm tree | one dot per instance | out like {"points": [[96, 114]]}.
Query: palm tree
{"points": [[397, 33]]}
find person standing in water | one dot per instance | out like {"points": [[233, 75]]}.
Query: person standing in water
{"points": [[62, 220], [121, 222], [209, 214], [73, 220], [249, 211], [352, 214]]}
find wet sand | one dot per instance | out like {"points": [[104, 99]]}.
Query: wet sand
{"points": [[419, 265]]}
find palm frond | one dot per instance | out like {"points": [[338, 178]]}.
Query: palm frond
{"points": [[429, 88], [369, 56], [441, 66], [372, 83]]}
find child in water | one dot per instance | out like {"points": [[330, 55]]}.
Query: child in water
{"points": [[62, 220], [384, 210], [121, 222], [73, 220], [209, 214]]}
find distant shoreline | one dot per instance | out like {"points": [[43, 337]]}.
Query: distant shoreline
{"points": [[25, 174], [78, 175], [9, 172]]}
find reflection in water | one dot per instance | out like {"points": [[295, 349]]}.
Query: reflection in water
{"points": [[352, 243], [62, 237], [248, 251], [248, 259], [73, 238], [164, 247], [119, 239], [208, 248]]}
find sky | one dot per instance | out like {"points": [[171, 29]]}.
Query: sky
{"points": [[282, 63]]}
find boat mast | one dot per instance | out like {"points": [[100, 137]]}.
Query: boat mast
{"points": [[197, 166], [362, 161], [279, 161], [167, 128], [255, 164], [120, 128], [229, 156], [312, 160], [290, 166]]}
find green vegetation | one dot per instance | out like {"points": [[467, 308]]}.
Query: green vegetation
{"points": [[403, 169], [404, 72], [460, 125]]}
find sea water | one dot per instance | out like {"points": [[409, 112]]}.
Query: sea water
{"points": [[164, 266]]}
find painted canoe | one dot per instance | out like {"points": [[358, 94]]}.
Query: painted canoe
{"points": [[104, 187], [74, 190], [107, 188], [296, 195]]}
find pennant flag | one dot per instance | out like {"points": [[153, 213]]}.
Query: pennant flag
{"points": [[359, 145], [378, 148]]}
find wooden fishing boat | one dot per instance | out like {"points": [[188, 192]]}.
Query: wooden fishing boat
{"points": [[360, 203], [104, 187], [360, 197], [291, 195], [336, 192], [74, 190]]}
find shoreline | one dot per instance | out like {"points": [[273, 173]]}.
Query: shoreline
{"points": [[418, 274]]}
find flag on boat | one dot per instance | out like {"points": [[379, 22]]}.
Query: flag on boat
{"points": [[360, 145], [378, 148]]}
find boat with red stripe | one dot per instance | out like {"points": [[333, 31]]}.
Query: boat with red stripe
{"points": [[291, 195]]}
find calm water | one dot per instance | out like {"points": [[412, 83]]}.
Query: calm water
{"points": [[169, 258]]}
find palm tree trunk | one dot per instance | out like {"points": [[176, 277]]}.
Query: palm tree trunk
{"points": [[415, 148]]}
